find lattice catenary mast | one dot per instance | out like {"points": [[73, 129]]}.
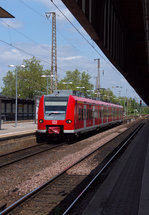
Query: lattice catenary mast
{"points": [[98, 75], [53, 51]]}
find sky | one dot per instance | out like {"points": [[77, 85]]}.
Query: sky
{"points": [[29, 34]]}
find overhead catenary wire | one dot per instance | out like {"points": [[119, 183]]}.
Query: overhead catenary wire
{"points": [[35, 11], [22, 50], [41, 15], [9, 44], [108, 62], [38, 13], [22, 34]]}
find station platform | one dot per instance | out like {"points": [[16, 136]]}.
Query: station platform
{"points": [[126, 188], [23, 127], [14, 138]]}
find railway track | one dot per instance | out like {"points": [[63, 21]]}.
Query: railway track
{"points": [[65, 189], [15, 156], [12, 157], [80, 196]]}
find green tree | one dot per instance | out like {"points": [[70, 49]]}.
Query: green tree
{"points": [[29, 79], [9, 82], [76, 80], [105, 95], [145, 110]]}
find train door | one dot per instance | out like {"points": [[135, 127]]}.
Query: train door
{"points": [[75, 115], [109, 114], [112, 113], [84, 115], [107, 110], [104, 111], [93, 115], [79, 116], [96, 115], [102, 114]]}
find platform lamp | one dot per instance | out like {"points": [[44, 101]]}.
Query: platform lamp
{"points": [[16, 112], [80, 87], [67, 83], [47, 76]]}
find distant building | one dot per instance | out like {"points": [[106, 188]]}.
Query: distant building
{"points": [[8, 105]]}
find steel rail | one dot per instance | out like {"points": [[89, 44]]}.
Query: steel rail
{"points": [[101, 171], [29, 155], [28, 195], [19, 150]]}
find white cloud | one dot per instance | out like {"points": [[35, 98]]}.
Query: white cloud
{"points": [[11, 55], [8, 55], [67, 60], [49, 3], [12, 23], [70, 58], [72, 51]]}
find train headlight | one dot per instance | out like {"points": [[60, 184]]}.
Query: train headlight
{"points": [[41, 121], [69, 121]]}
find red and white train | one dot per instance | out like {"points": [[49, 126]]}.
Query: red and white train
{"points": [[65, 113]]}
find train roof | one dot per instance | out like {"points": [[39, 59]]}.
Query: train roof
{"points": [[87, 100], [79, 97], [65, 93]]}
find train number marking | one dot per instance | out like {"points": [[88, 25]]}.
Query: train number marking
{"points": [[54, 122]]}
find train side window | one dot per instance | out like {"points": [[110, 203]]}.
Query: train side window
{"points": [[95, 114], [103, 112], [84, 114], [99, 113], [80, 113], [87, 114], [90, 114]]}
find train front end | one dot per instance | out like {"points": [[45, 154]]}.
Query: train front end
{"points": [[55, 116]]}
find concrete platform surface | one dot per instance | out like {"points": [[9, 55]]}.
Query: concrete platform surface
{"points": [[9, 129], [125, 191]]}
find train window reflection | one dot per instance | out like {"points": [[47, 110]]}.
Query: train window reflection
{"points": [[56, 107]]}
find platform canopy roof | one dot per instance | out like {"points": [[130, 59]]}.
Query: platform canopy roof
{"points": [[5, 14], [121, 30]]}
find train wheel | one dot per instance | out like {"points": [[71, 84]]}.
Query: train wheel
{"points": [[40, 138], [70, 139]]}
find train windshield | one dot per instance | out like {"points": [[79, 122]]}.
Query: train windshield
{"points": [[55, 109]]}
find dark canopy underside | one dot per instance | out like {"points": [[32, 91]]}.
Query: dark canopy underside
{"points": [[121, 29]]}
